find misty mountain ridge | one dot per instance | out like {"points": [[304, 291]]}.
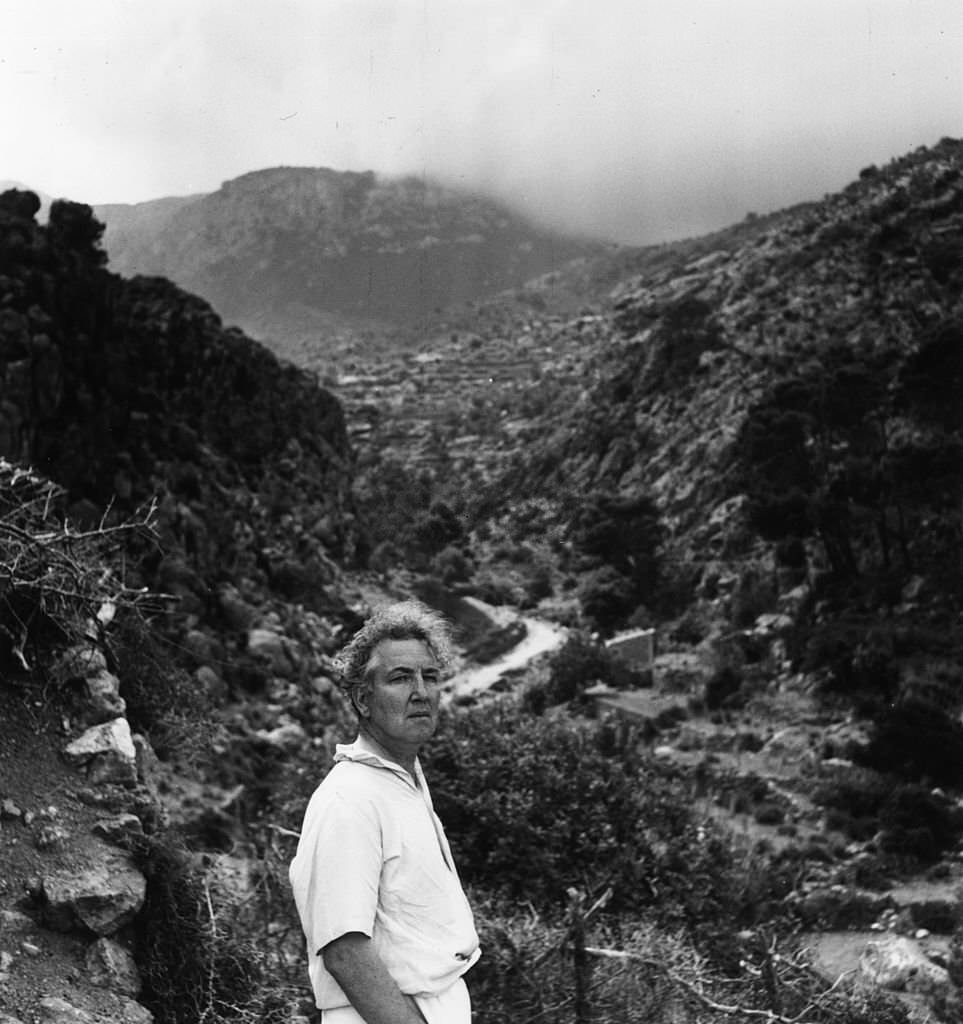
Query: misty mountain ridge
{"points": [[292, 253]]}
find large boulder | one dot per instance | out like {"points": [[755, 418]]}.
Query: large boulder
{"points": [[898, 964], [101, 897]]}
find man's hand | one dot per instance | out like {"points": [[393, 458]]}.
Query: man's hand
{"points": [[357, 968]]}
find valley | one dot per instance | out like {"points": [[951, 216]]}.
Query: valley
{"points": [[750, 443]]}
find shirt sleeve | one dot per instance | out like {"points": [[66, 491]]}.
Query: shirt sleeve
{"points": [[336, 873]]}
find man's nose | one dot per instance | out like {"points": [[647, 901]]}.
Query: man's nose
{"points": [[420, 684]]}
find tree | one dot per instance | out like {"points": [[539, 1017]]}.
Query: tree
{"points": [[72, 227]]}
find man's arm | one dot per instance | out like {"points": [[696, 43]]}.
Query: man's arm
{"points": [[361, 973]]}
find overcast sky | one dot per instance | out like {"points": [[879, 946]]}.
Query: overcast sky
{"points": [[634, 120]]}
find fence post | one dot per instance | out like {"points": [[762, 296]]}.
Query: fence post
{"points": [[579, 955]]}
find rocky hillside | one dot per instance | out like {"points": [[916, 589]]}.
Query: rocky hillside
{"points": [[788, 383], [130, 392], [294, 253]]}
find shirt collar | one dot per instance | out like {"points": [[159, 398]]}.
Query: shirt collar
{"points": [[363, 752]]}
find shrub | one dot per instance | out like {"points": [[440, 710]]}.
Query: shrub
{"points": [[196, 958], [918, 742], [607, 597], [916, 825], [163, 701], [579, 663], [722, 685], [451, 566], [533, 807]]}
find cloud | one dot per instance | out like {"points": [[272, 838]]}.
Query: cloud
{"points": [[635, 120]]}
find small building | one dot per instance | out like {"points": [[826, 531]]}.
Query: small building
{"points": [[635, 648]]}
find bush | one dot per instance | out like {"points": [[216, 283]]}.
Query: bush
{"points": [[916, 825], [451, 566], [607, 597], [533, 807], [196, 958], [917, 742], [163, 701], [724, 684], [580, 663]]}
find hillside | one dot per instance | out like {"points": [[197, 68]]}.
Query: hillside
{"points": [[294, 254], [130, 393], [840, 314], [751, 441]]}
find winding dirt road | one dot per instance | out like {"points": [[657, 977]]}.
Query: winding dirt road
{"points": [[540, 638]]}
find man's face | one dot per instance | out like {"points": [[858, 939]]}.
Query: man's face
{"points": [[400, 701]]}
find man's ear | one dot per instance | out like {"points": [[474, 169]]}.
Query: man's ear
{"points": [[359, 698]]}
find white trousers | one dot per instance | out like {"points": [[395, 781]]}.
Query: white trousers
{"points": [[449, 1007]]}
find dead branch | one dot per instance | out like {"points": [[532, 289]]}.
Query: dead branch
{"points": [[711, 1004]]}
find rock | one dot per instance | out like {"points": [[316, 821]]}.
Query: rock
{"points": [[6, 1018], [119, 829], [771, 622], [238, 614], [792, 744], [79, 662], [270, 646], [55, 1010], [147, 763], [102, 897], [108, 751], [12, 922], [104, 701], [100, 739], [9, 810], [50, 837], [288, 738], [690, 738], [199, 645], [111, 966], [841, 907], [209, 682], [898, 964], [323, 686]]}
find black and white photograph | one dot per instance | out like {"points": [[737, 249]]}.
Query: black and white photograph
{"points": [[481, 512]]}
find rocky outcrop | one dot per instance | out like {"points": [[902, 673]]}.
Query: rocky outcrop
{"points": [[897, 963], [130, 396], [102, 898], [292, 252]]}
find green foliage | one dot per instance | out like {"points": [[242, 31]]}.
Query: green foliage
{"points": [[532, 807]]}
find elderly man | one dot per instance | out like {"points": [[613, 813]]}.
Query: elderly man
{"points": [[388, 927]]}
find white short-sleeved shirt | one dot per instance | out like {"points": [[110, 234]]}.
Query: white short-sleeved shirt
{"points": [[373, 858]]}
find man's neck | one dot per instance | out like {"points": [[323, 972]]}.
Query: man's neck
{"points": [[404, 758]]}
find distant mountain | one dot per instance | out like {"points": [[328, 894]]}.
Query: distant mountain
{"points": [[293, 252], [787, 393]]}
